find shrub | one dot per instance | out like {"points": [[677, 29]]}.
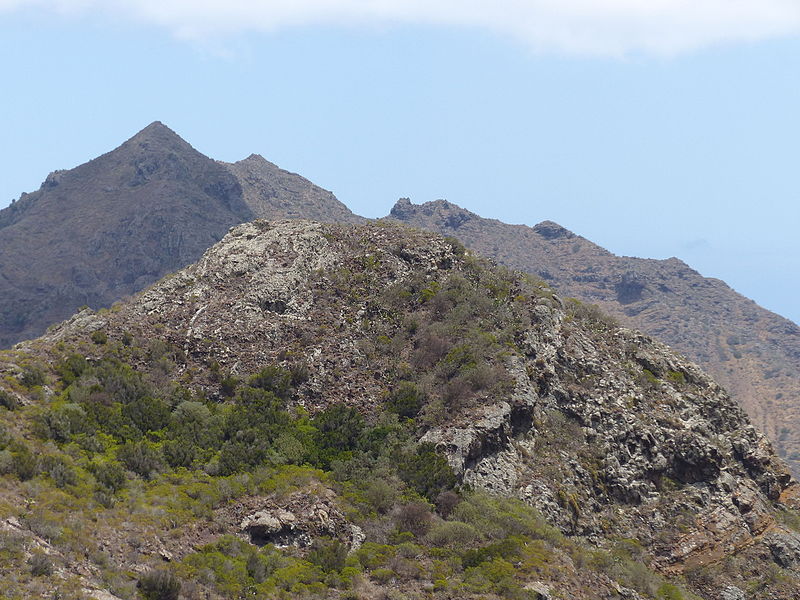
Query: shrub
{"points": [[99, 337], [110, 475], [508, 548], [147, 414], [328, 555], [60, 472], [406, 400], [71, 368], [273, 379], [496, 575], [25, 464], [339, 427], [382, 576], [381, 496], [141, 457], [427, 472], [453, 534], [179, 453], [40, 564], [194, 423], [8, 401], [159, 585], [446, 502], [63, 420], [227, 386], [32, 375], [414, 517], [372, 555]]}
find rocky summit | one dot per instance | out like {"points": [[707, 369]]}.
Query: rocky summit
{"points": [[370, 411], [752, 352]]}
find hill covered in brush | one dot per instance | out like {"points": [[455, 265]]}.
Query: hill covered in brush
{"points": [[339, 411]]}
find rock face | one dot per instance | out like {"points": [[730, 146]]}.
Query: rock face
{"points": [[604, 430], [110, 227], [753, 353]]}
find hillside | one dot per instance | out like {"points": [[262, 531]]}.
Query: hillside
{"points": [[339, 411], [110, 227], [752, 352]]}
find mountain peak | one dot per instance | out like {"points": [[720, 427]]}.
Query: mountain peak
{"points": [[159, 135]]}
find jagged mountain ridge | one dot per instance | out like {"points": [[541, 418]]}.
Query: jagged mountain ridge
{"points": [[603, 430], [752, 352], [106, 229]]}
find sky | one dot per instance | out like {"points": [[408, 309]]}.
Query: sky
{"points": [[655, 129]]}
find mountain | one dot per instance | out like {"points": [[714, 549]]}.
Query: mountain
{"points": [[110, 227], [369, 411], [752, 352]]}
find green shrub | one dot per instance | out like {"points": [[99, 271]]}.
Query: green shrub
{"points": [[509, 548], [495, 575], [147, 413], [406, 400], [25, 463], [193, 423], [669, 592], [32, 375], [110, 475], [71, 368], [453, 534], [372, 555], [59, 471], [328, 554], [159, 584], [179, 453], [63, 420], [143, 458], [273, 379], [40, 564], [426, 471], [227, 386], [381, 496], [382, 576], [99, 337], [676, 377], [8, 401]]}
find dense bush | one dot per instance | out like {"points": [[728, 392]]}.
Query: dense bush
{"points": [[8, 401], [143, 458], [427, 471], [159, 584], [328, 554], [406, 400]]}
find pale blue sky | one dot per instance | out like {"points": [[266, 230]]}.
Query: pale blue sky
{"points": [[686, 148]]}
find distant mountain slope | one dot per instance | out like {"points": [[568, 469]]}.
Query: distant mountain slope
{"points": [[110, 227], [753, 352], [272, 193]]}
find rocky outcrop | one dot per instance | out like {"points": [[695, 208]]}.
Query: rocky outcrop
{"points": [[753, 353], [299, 520]]}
